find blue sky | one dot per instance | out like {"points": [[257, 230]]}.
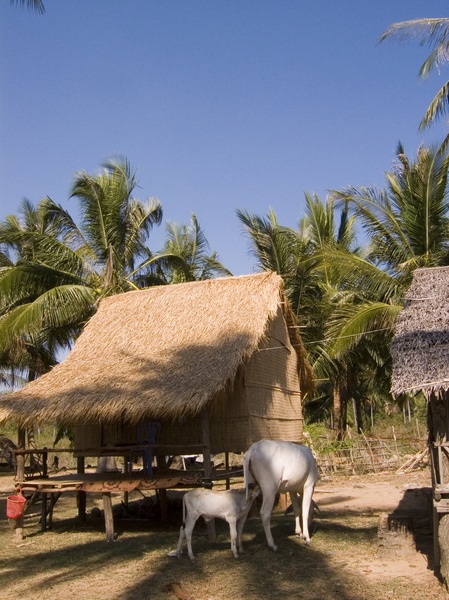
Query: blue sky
{"points": [[218, 105]]}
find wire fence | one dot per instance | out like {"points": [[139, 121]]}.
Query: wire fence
{"points": [[359, 455]]}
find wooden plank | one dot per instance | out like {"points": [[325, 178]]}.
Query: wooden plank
{"points": [[442, 505]]}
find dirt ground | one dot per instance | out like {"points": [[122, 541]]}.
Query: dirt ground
{"points": [[349, 506], [388, 493]]}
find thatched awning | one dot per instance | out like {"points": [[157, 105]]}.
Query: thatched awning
{"points": [[420, 348], [160, 353]]}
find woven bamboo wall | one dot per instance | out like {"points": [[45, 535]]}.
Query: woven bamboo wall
{"points": [[264, 401]]}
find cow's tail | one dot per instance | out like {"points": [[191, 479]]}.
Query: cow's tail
{"points": [[247, 475]]}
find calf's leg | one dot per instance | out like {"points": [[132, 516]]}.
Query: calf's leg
{"points": [[240, 524], [233, 530]]}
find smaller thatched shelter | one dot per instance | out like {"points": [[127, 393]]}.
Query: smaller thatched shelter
{"points": [[227, 347], [420, 352], [420, 348]]}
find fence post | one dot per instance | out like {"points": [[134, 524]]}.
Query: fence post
{"points": [[369, 450]]}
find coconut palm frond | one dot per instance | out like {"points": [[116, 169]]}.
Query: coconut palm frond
{"points": [[351, 323], [35, 5]]}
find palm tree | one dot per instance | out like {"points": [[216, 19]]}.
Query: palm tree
{"points": [[434, 33], [184, 257], [407, 223], [296, 254], [19, 241], [114, 225], [407, 226], [36, 5], [62, 270]]}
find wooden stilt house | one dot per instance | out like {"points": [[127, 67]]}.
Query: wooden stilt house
{"points": [[218, 363]]}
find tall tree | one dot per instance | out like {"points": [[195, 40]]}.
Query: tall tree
{"points": [[296, 254], [435, 34], [62, 270], [114, 225], [407, 226], [184, 257], [19, 235]]}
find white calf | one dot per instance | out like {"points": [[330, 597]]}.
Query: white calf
{"points": [[231, 505], [278, 466]]}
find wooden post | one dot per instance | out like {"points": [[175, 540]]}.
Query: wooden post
{"points": [[44, 512], [207, 465], [44, 495], [207, 461], [20, 474], [20, 458], [108, 516], [436, 543], [44, 462], [81, 495], [162, 492], [126, 470]]}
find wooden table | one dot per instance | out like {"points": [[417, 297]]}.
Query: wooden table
{"points": [[104, 483]]}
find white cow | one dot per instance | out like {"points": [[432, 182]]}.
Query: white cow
{"points": [[278, 466], [231, 505]]}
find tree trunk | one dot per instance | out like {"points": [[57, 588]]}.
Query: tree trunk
{"points": [[336, 408], [340, 405]]}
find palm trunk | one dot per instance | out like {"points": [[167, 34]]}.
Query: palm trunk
{"points": [[339, 407]]}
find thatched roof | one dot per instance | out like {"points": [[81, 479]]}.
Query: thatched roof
{"points": [[420, 348], [160, 353]]}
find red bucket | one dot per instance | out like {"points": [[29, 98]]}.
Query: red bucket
{"points": [[15, 506]]}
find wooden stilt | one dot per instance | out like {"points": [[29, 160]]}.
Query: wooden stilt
{"points": [[81, 499], [436, 543], [163, 504], [108, 517], [207, 465], [44, 512]]}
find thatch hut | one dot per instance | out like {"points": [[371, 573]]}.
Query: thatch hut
{"points": [[421, 343], [420, 351], [222, 355]]}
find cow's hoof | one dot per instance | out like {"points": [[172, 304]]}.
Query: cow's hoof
{"points": [[274, 548], [174, 553]]}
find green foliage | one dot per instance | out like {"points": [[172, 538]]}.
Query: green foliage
{"points": [[434, 33]]}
